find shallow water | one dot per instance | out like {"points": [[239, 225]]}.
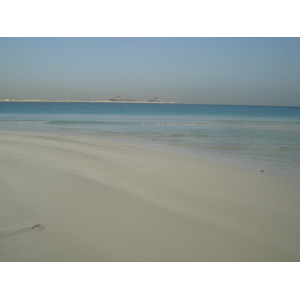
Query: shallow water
{"points": [[266, 136]]}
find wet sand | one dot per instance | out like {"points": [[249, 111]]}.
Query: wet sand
{"points": [[102, 200]]}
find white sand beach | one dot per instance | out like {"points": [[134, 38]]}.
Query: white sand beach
{"points": [[102, 200]]}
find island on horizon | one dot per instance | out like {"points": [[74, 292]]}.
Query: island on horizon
{"points": [[111, 100]]}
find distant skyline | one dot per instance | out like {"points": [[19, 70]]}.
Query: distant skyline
{"points": [[243, 71]]}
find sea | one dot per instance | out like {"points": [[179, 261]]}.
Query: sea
{"points": [[263, 137]]}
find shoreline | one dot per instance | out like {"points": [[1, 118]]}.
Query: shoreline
{"points": [[278, 170], [103, 200]]}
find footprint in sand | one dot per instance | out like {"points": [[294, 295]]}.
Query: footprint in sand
{"points": [[36, 227], [11, 240]]}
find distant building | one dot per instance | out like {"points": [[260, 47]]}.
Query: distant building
{"points": [[155, 100], [119, 99]]}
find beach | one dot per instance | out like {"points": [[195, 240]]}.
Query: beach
{"points": [[104, 200]]}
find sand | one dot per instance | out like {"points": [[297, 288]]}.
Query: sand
{"points": [[102, 200]]}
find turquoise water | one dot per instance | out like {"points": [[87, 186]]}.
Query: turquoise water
{"points": [[266, 135]]}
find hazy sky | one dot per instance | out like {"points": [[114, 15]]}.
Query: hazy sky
{"points": [[251, 71]]}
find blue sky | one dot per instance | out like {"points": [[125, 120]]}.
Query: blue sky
{"points": [[250, 71]]}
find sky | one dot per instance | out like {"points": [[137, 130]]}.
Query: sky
{"points": [[200, 70]]}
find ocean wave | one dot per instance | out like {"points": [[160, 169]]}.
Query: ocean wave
{"points": [[217, 123]]}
